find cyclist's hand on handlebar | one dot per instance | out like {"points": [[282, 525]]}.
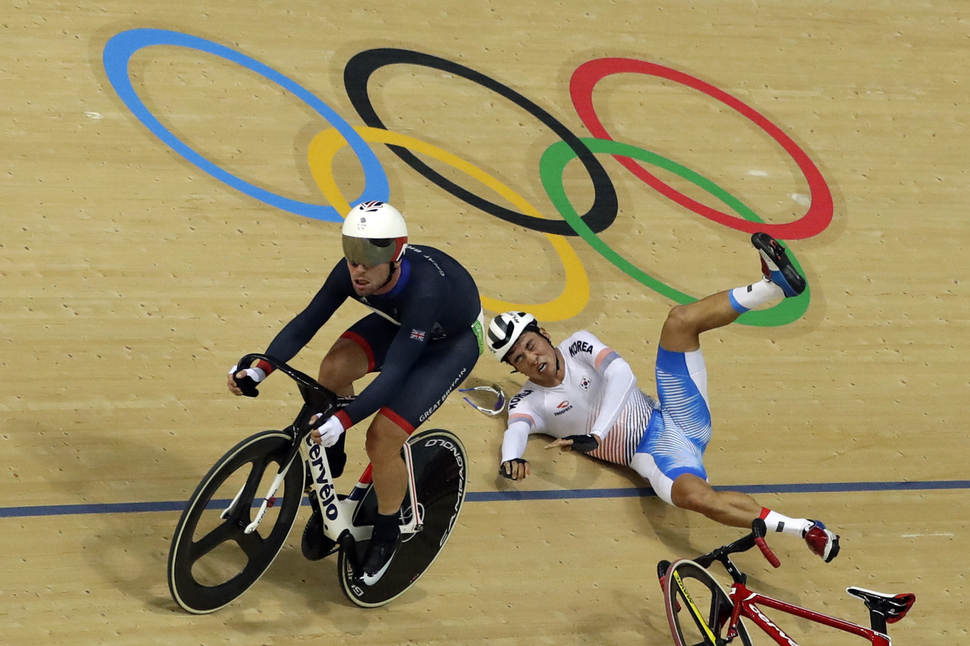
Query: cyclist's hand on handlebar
{"points": [[328, 434], [516, 469], [248, 378]]}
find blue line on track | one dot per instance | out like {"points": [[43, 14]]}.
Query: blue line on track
{"points": [[503, 496]]}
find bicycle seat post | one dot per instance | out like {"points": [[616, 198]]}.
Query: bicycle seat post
{"points": [[883, 608], [877, 620]]}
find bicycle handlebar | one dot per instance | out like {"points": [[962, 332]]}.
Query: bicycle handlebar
{"points": [[759, 530], [316, 396], [757, 537]]}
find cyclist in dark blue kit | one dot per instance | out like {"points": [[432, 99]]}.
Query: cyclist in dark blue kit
{"points": [[424, 337]]}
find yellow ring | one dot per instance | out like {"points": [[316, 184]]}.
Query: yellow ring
{"points": [[575, 294]]}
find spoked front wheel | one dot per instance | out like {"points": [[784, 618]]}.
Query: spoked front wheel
{"points": [[440, 475], [213, 560], [698, 609]]}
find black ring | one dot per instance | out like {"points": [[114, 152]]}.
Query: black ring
{"points": [[359, 70]]}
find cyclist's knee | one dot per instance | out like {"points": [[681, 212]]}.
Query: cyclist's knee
{"points": [[694, 494], [680, 330], [345, 363], [384, 439]]}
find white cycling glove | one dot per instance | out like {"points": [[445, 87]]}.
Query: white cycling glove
{"points": [[330, 432], [256, 374]]}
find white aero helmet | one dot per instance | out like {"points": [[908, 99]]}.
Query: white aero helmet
{"points": [[505, 329], [374, 233]]}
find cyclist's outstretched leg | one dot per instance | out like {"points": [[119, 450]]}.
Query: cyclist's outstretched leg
{"points": [[217, 553]]}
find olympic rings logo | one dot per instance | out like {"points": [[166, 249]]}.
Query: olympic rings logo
{"points": [[322, 149]]}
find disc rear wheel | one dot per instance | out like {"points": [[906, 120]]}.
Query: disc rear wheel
{"points": [[440, 475]]}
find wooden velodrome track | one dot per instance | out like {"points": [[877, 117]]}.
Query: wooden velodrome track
{"points": [[133, 278]]}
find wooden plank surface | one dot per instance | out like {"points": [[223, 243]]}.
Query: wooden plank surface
{"points": [[133, 279]]}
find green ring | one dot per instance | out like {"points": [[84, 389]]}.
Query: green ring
{"points": [[551, 168]]}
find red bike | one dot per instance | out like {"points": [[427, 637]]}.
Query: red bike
{"points": [[700, 612]]}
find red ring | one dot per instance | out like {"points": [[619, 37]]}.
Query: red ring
{"points": [[820, 211]]}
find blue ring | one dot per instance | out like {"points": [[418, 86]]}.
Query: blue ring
{"points": [[119, 50]]}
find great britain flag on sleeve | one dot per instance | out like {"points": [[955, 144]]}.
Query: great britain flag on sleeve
{"points": [[417, 335]]}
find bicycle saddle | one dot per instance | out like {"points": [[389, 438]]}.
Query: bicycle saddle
{"points": [[892, 607]]}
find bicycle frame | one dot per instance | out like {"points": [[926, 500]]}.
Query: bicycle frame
{"points": [[746, 604], [338, 513], [288, 463]]}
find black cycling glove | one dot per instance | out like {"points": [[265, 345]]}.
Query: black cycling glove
{"points": [[583, 443]]}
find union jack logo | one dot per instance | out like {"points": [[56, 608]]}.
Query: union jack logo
{"points": [[417, 335], [370, 206]]}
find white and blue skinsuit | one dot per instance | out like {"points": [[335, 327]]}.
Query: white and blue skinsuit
{"points": [[599, 395]]}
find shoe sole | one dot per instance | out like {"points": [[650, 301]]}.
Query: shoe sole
{"points": [[834, 550], [773, 251]]}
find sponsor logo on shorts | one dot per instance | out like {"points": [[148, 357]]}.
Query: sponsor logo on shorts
{"points": [[426, 414]]}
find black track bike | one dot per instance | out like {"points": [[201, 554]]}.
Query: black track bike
{"points": [[238, 519]]}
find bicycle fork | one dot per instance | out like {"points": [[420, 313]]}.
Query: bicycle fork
{"points": [[268, 500]]}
